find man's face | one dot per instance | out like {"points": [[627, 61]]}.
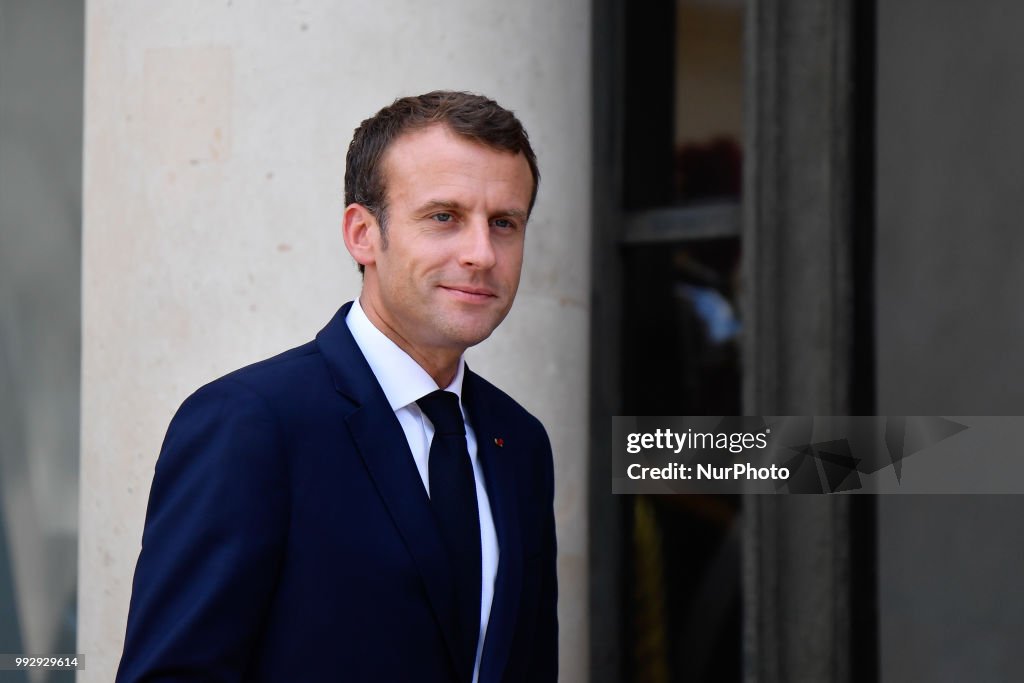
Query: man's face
{"points": [[456, 220]]}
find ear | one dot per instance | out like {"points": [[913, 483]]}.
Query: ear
{"points": [[362, 234]]}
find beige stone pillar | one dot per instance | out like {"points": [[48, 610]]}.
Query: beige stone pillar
{"points": [[214, 149]]}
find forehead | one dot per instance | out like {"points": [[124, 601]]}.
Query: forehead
{"points": [[434, 160]]}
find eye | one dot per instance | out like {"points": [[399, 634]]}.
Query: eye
{"points": [[443, 217], [505, 223]]}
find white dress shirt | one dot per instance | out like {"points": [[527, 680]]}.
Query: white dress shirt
{"points": [[404, 382]]}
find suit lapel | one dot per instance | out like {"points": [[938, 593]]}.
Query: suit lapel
{"points": [[382, 446], [499, 473]]}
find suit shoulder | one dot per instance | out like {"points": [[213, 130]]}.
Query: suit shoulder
{"points": [[248, 409], [278, 375], [498, 402]]}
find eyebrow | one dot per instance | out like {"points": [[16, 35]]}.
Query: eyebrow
{"points": [[450, 205]]}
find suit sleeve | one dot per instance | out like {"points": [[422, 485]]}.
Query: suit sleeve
{"points": [[545, 647], [213, 540]]}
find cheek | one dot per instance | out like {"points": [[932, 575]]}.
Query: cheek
{"points": [[513, 263], [414, 278], [421, 258], [401, 262]]}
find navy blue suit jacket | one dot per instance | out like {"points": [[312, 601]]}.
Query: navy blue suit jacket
{"points": [[289, 537]]}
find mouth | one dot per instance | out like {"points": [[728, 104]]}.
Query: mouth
{"points": [[470, 294]]}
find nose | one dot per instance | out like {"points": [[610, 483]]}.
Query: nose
{"points": [[476, 249]]}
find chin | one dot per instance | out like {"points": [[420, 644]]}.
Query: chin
{"points": [[469, 335], [468, 327], [474, 338]]}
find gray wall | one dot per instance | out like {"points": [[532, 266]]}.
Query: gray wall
{"points": [[950, 323], [41, 53]]}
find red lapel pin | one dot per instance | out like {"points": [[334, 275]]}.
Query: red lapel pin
{"points": [[499, 442]]}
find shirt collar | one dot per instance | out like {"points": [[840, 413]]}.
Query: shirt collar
{"points": [[403, 380]]}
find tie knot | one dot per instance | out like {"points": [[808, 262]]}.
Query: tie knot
{"points": [[442, 407]]}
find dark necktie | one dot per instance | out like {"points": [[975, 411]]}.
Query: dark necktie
{"points": [[453, 499]]}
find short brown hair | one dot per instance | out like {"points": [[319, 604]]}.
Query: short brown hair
{"points": [[472, 116]]}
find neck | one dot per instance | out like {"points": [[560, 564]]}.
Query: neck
{"points": [[441, 364]]}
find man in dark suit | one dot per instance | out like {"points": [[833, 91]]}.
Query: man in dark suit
{"points": [[365, 507]]}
